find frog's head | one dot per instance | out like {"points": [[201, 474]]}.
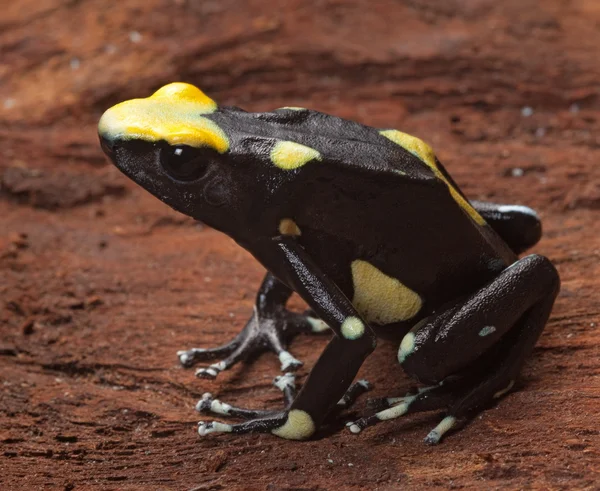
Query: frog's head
{"points": [[167, 145]]}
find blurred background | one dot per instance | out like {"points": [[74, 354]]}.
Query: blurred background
{"points": [[100, 283]]}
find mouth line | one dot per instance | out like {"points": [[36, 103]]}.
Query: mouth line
{"points": [[107, 145]]}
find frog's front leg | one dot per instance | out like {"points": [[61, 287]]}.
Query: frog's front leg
{"points": [[338, 364], [286, 383], [270, 327], [472, 351]]}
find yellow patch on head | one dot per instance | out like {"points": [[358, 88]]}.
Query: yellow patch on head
{"points": [[290, 155], [380, 298], [298, 426], [352, 328], [172, 113], [425, 153], [287, 226]]}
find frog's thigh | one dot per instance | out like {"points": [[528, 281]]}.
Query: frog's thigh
{"points": [[518, 302]]}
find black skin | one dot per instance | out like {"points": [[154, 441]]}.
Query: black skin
{"points": [[368, 198]]}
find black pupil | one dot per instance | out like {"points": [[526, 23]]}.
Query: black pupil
{"points": [[184, 163]]}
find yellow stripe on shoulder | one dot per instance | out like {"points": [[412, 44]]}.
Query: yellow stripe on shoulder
{"points": [[425, 153]]}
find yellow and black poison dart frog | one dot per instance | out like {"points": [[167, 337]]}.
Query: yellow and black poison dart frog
{"points": [[369, 229]]}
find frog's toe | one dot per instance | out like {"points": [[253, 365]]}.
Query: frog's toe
{"points": [[354, 392], [261, 424], [187, 358], [435, 435], [209, 405], [380, 403], [393, 412], [190, 357], [354, 427], [286, 383], [460, 398], [206, 428], [317, 326], [204, 404], [211, 371], [288, 362]]}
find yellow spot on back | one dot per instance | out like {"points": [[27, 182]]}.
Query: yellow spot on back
{"points": [[352, 328], [425, 153], [380, 298], [299, 426], [172, 113], [290, 155], [287, 226]]}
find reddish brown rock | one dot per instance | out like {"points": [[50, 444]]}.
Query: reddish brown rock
{"points": [[100, 284]]}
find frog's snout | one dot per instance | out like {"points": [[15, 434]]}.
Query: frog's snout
{"points": [[108, 131]]}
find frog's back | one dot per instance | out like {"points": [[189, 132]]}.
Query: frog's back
{"points": [[378, 196], [335, 140]]}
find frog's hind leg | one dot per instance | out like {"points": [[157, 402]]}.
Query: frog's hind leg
{"points": [[519, 226], [474, 350], [270, 327]]}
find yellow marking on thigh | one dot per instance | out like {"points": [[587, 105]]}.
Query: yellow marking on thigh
{"points": [[380, 298], [172, 113], [289, 155], [287, 226], [352, 328], [425, 153], [298, 426]]}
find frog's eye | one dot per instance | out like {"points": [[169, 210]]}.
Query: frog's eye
{"points": [[185, 163]]}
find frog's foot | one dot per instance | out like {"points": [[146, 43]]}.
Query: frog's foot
{"points": [[476, 347], [354, 392], [291, 424], [381, 403], [425, 399], [262, 333], [459, 398], [286, 384]]}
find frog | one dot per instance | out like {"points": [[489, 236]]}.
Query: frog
{"points": [[370, 230]]}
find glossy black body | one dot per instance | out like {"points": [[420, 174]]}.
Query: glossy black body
{"points": [[368, 198], [364, 198]]}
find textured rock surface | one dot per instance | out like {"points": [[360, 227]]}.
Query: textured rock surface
{"points": [[100, 284]]}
